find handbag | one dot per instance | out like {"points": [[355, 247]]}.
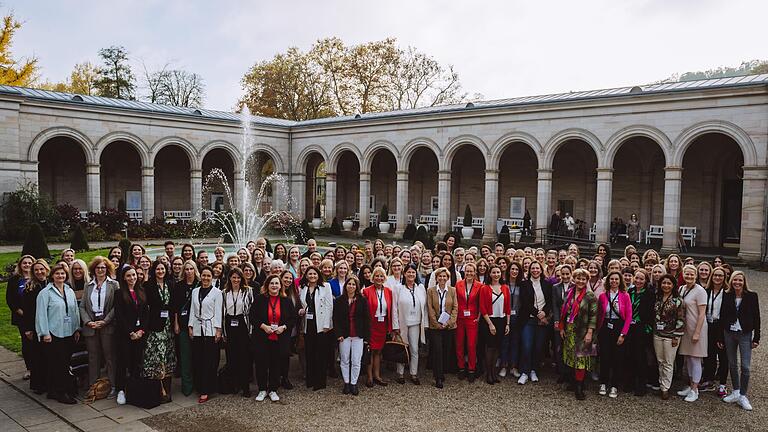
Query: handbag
{"points": [[396, 351], [143, 392], [366, 360], [99, 390]]}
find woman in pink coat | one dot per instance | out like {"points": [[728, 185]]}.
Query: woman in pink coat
{"points": [[614, 316]]}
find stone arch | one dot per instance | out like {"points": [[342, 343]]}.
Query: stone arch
{"points": [[728, 129], [412, 146], [616, 140], [554, 143], [301, 160], [502, 143], [455, 144], [227, 146], [185, 145], [61, 131], [269, 150], [138, 144], [333, 158], [371, 151]]}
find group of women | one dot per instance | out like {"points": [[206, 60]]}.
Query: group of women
{"points": [[630, 324]]}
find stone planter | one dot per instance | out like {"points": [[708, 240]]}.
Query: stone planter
{"points": [[347, 224], [317, 223], [383, 227], [467, 232]]}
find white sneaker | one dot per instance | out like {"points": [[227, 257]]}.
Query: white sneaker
{"points": [[744, 403], [273, 396], [614, 393], [693, 396], [515, 373], [121, 398], [262, 394], [503, 372], [602, 391], [684, 392], [523, 379], [733, 397], [534, 377]]}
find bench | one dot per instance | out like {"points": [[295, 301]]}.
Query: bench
{"points": [[593, 232], [688, 234], [654, 232], [501, 222], [430, 221], [184, 215], [135, 215], [477, 223], [393, 220]]}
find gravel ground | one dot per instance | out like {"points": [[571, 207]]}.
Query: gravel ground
{"points": [[462, 406]]}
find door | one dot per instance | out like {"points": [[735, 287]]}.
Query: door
{"points": [[730, 222]]}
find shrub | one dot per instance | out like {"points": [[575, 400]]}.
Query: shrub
{"points": [[95, 233], [467, 216], [79, 240], [504, 236], [335, 227], [371, 232], [69, 215], [410, 232], [125, 246], [110, 220], [304, 233], [317, 210], [384, 215], [425, 236], [35, 243], [26, 206]]}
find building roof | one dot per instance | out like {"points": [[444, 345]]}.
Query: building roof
{"points": [[75, 99]]}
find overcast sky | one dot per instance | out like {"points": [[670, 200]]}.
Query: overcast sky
{"points": [[500, 49]]}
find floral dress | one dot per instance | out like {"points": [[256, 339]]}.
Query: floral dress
{"points": [[576, 322], [159, 353]]}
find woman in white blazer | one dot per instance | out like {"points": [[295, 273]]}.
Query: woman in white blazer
{"points": [[411, 300], [205, 331], [317, 315]]}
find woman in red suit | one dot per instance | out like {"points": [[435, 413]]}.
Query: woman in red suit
{"points": [[496, 309], [468, 296], [382, 309]]}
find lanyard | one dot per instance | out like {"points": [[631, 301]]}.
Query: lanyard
{"points": [[512, 294], [441, 296], [310, 298], [687, 291], [98, 295], [200, 299], [468, 291], [413, 295], [380, 294], [612, 303], [273, 306], [496, 296], [234, 299], [711, 303], [66, 303]]}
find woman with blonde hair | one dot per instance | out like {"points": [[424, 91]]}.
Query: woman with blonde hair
{"points": [[578, 322], [740, 316], [442, 312], [716, 362], [35, 350], [383, 311], [693, 344], [78, 277], [97, 313], [181, 297], [703, 272]]}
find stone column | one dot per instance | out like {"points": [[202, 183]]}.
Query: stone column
{"points": [[402, 202], [673, 182], [364, 202], [239, 192], [330, 197], [443, 202], [93, 186], [196, 193], [148, 193], [544, 199], [491, 205], [590, 203], [753, 213], [603, 204], [298, 195]]}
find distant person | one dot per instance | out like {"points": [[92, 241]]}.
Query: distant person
{"points": [[554, 223]]}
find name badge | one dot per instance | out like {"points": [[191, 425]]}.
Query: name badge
{"points": [[184, 313], [310, 316], [735, 327], [234, 323], [466, 313], [514, 312], [659, 326], [609, 325], [163, 314], [67, 319], [98, 315], [273, 327], [138, 322], [380, 318]]}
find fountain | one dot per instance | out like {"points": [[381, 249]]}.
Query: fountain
{"points": [[246, 220]]}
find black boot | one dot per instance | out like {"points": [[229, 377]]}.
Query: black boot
{"points": [[346, 389], [580, 390]]}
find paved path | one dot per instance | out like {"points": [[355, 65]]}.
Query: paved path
{"points": [[22, 410]]}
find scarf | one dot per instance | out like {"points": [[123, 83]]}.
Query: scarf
{"points": [[573, 304]]}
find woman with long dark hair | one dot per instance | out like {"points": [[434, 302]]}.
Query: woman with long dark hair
{"points": [[205, 323], [317, 315], [669, 325], [132, 313], [160, 351], [495, 308], [614, 316], [351, 322], [292, 291], [238, 298], [536, 313]]}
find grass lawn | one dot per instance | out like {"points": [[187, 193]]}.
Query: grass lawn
{"points": [[9, 334]]}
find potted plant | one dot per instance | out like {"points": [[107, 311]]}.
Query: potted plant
{"points": [[316, 221], [384, 219], [467, 231], [347, 223]]}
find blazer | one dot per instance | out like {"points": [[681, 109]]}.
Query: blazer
{"points": [[323, 307], [528, 299], [748, 313], [450, 305], [373, 303], [362, 317], [130, 317], [108, 307], [559, 293], [421, 301], [29, 305], [625, 310], [472, 303], [205, 316], [486, 300], [158, 308], [14, 298], [247, 299], [259, 314], [56, 315], [643, 312]]}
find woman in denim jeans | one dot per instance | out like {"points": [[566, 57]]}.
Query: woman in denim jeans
{"points": [[536, 314], [510, 345], [740, 316]]}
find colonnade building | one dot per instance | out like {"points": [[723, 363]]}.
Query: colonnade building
{"points": [[689, 154]]}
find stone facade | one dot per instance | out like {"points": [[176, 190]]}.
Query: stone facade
{"points": [[604, 156]]}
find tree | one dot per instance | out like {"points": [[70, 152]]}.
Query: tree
{"points": [[335, 79], [84, 79], [35, 243], [745, 68], [14, 72], [174, 87], [116, 79], [79, 240]]}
